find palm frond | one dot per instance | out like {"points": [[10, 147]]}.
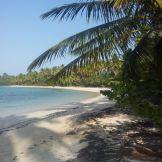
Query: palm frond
{"points": [[123, 25], [94, 57], [112, 33], [140, 54], [143, 53], [71, 43], [97, 10], [103, 53], [105, 10], [120, 36]]}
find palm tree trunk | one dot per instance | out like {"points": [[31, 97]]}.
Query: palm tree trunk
{"points": [[158, 50]]}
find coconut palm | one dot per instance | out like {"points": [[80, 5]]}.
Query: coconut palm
{"points": [[125, 24]]}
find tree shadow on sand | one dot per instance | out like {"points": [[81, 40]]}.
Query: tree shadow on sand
{"points": [[17, 144], [136, 140], [41, 145], [106, 142]]}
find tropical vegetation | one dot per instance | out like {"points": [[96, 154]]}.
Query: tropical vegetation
{"points": [[131, 32], [44, 77], [6, 79]]}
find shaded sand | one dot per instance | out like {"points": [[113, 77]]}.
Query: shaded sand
{"points": [[91, 131], [42, 135]]}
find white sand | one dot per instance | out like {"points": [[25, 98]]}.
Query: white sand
{"points": [[88, 89], [42, 136]]}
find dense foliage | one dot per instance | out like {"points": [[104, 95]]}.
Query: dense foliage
{"points": [[6, 79], [45, 77], [141, 88]]}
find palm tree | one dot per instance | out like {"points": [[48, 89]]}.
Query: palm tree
{"points": [[125, 24]]}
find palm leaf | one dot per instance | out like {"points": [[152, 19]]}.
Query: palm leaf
{"points": [[70, 43], [143, 53], [124, 24], [98, 10], [110, 32], [102, 10], [140, 54], [94, 57]]}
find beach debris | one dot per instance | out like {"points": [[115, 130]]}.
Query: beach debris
{"points": [[31, 147], [15, 158], [43, 141], [71, 133]]}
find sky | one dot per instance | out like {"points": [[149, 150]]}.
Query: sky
{"points": [[24, 36]]}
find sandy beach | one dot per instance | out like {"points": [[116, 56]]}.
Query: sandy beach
{"points": [[72, 132], [25, 137], [87, 89]]}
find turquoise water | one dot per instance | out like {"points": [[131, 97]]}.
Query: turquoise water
{"points": [[15, 100]]}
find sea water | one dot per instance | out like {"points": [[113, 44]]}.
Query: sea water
{"points": [[14, 100]]}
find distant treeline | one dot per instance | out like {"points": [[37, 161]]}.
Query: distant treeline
{"points": [[45, 77], [6, 79]]}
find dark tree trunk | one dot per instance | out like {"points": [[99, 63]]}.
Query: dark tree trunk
{"points": [[158, 50]]}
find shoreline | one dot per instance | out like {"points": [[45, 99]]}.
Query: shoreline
{"points": [[95, 90], [89, 131], [9, 120], [77, 88], [44, 126]]}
